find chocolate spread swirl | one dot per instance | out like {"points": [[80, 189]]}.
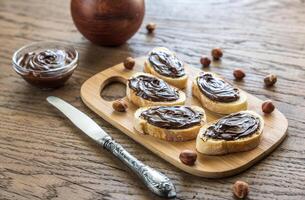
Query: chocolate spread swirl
{"points": [[152, 89], [166, 63], [172, 117], [233, 127], [46, 60], [217, 89]]}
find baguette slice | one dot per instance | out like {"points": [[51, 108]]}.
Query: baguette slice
{"points": [[179, 82], [173, 135], [141, 102], [219, 107], [211, 146]]}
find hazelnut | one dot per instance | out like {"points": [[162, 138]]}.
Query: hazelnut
{"points": [[240, 189], [270, 80], [239, 74], [188, 157], [119, 105], [217, 53], [205, 61], [267, 107], [129, 63], [151, 27]]}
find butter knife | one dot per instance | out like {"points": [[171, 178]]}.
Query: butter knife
{"points": [[157, 182]]}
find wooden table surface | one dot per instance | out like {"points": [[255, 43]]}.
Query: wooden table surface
{"points": [[43, 156]]}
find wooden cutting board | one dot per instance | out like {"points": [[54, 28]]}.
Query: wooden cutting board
{"points": [[206, 166]]}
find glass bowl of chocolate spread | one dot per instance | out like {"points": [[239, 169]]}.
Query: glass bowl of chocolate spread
{"points": [[45, 64]]}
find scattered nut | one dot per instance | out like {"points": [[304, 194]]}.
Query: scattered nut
{"points": [[129, 63], [217, 53], [151, 27], [270, 80], [239, 74], [205, 61], [119, 105], [188, 157], [268, 107], [240, 189]]}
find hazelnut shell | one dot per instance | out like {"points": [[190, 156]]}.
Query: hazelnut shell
{"points": [[188, 157]]}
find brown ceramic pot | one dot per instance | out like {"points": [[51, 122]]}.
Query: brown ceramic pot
{"points": [[108, 22]]}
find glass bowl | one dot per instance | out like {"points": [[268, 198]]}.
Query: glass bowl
{"points": [[45, 78]]}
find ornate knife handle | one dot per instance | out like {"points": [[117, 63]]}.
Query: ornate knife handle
{"points": [[157, 182]]}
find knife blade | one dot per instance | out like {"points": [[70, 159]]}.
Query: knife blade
{"points": [[156, 182]]}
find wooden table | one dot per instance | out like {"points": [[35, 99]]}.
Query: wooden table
{"points": [[43, 156]]}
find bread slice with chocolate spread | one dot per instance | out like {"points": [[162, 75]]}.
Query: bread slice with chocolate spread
{"points": [[163, 63], [170, 123], [217, 95], [144, 90], [236, 132]]}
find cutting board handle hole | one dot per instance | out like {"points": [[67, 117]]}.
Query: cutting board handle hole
{"points": [[111, 84]]}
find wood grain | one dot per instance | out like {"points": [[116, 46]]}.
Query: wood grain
{"points": [[42, 155], [206, 166]]}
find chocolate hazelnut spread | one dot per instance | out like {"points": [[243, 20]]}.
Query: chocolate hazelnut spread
{"points": [[166, 63], [217, 89], [172, 117], [233, 127], [153, 89], [46, 60], [45, 64]]}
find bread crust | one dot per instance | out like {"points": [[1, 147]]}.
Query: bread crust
{"points": [[172, 135], [140, 102], [179, 82], [210, 146], [219, 107]]}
